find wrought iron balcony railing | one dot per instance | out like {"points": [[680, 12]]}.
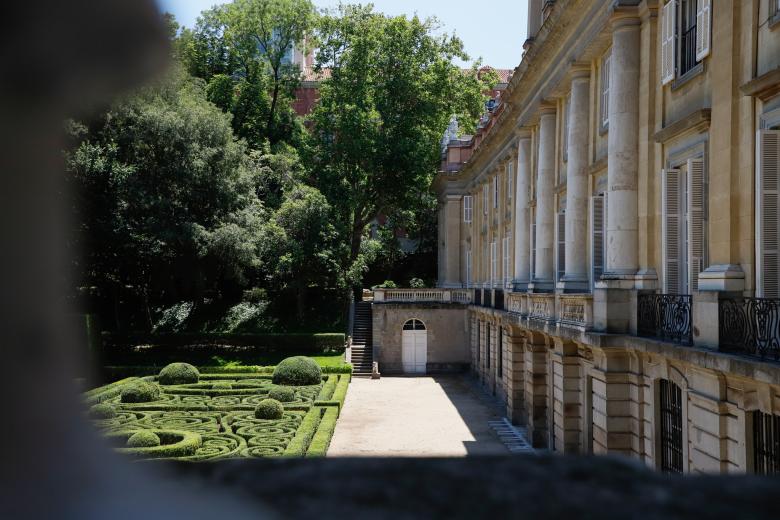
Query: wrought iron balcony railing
{"points": [[498, 299], [665, 316], [750, 326]]}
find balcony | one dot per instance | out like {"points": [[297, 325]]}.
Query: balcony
{"points": [[542, 307], [750, 326], [667, 317], [461, 296], [576, 311]]}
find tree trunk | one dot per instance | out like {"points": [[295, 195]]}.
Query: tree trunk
{"points": [[274, 100]]}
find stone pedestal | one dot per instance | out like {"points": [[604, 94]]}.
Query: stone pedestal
{"points": [[718, 281], [615, 301]]}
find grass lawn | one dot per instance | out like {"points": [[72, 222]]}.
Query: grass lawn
{"points": [[324, 360]]}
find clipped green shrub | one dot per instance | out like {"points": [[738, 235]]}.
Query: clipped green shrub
{"points": [[221, 385], [143, 439], [300, 443], [321, 440], [340, 393], [179, 374], [283, 394], [140, 392], [327, 389], [297, 371], [102, 411], [269, 409]]}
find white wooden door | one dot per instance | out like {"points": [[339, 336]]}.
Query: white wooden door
{"points": [[414, 347]]}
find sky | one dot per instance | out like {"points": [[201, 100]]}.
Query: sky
{"points": [[494, 31]]}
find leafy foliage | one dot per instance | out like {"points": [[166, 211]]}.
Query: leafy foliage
{"points": [[297, 371]]}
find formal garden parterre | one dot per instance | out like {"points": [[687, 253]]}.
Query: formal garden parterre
{"points": [[186, 415]]}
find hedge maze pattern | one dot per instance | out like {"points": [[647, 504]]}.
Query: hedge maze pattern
{"points": [[210, 420]]}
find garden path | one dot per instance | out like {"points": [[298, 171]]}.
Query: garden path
{"points": [[439, 416]]}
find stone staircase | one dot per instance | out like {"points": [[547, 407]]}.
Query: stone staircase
{"points": [[362, 348]]}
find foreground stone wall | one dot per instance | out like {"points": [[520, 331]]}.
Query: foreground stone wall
{"points": [[447, 329]]}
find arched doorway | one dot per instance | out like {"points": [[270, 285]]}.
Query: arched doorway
{"points": [[414, 347]]}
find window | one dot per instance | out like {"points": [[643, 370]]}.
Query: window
{"points": [[565, 139], [485, 199], [685, 36], [768, 214], [561, 242], [598, 235], [495, 191], [606, 63], [671, 427], [493, 265], [414, 325], [684, 227], [510, 174], [532, 247], [468, 209], [505, 246], [766, 443]]}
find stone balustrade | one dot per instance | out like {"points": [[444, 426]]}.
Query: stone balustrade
{"points": [[462, 296], [566, 310]]}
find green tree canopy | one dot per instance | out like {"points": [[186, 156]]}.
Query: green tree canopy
{"points": [[392, 91]]}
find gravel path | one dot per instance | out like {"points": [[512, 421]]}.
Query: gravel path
{"points": [[442, 416]]}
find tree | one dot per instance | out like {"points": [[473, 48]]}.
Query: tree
{"points": [[392, 91], [306, 241], [265, 33], [166, 197]]}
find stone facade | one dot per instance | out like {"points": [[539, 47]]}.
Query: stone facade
{"points": [[447, 335], [631, 175]]}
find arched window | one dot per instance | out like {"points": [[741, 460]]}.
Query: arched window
{"points": [[414, 324]]}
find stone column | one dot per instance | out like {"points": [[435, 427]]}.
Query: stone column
{"points": [[545, 204], [536, 397], [623, 154], [522, 273], [576, 275], [515, 377]]}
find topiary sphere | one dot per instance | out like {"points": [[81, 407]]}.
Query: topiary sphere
{"points": [[269, 409], [179, 374], [297, 371], [102, 411], [143, 439], [283, 394], [221, 385], [140, 392]]}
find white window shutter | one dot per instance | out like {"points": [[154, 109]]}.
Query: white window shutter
{"points": [[509, 179], [597, 224], [468, 268], [606, 64], [507, 258], [671, 231], [703, 28], [561, 256], [467, 209], [697, 225], [668, 30], [492, 263], [532, 249], [485, 199], [768, 214]]}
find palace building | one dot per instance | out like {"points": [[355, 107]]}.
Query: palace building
{"points": [[609, 240]]}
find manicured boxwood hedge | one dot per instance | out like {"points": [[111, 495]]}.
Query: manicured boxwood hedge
{"points": [[321, 440], [300, 443], [325, 342], [114, 372]]}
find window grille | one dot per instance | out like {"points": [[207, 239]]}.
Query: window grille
{"points": [[766, 443], [671, 427]]}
